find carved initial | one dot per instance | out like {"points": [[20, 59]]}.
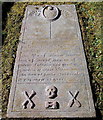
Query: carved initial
{"points": [[29, 99], [74, 100]]}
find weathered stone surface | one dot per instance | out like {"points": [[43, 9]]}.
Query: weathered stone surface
{"points": [[50, 76]]}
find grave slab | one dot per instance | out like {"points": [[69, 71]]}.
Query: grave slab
{"points": [[50, 78]]}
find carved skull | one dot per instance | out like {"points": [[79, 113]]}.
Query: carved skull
{"points": [[51, 91]]}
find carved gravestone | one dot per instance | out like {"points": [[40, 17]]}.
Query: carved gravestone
{"points": [[50, 76]]}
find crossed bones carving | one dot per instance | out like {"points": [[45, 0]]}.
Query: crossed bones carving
{"points": [[74, 100], [29, 99], [33, 93]]}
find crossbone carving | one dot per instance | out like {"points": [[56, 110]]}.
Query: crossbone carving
{"points": [[74, 100], [29, 99]]}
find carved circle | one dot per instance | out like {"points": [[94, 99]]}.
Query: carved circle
{"points": [[50, 12]]}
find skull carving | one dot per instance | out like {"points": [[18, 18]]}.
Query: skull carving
{"points": [[51, 91]]}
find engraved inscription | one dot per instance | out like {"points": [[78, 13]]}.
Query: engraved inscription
{"points": [[74, 100], [36, 65], [40, 67], [52, 105], [29, 99], [51, 91]]}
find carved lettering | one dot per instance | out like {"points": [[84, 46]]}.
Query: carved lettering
{"points": [[35, 67]]}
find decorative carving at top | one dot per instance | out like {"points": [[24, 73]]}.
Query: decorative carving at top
{"points": [[35, 13], [50, 12]]}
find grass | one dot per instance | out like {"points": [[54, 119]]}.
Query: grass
{"points": [[90, 17], [93, 39]]}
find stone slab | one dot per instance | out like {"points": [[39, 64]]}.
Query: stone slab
{"points": [[50, 78]]}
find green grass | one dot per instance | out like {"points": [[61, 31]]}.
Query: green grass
{"points": [[92, 37], [90, 17]]}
